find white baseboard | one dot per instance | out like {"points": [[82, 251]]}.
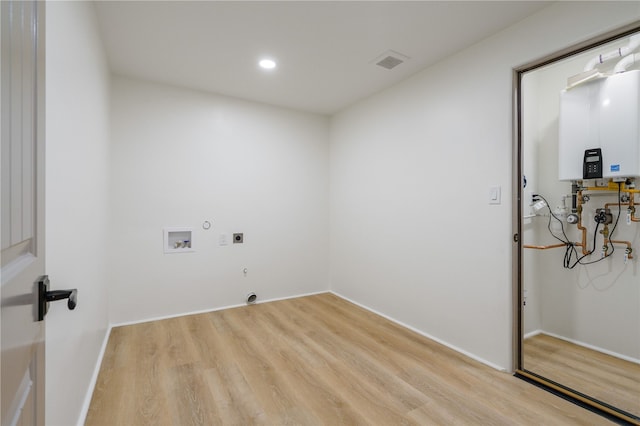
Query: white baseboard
{"points": [[94, 379], [532, 333], [592, 347], [204, 311], [427, 335]]}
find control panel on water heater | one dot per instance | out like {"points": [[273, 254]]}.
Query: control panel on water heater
{"points": [[592, 164]]}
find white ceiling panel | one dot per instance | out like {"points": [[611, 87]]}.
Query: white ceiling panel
{"points": [[325, 50]]}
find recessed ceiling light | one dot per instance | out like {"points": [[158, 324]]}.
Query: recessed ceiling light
{"points": [[267, 64]]}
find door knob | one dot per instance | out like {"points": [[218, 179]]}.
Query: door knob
{"points": [[45, 296], [72, 295]]}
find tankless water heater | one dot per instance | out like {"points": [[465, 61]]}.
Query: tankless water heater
{"points": [[600, 128]]}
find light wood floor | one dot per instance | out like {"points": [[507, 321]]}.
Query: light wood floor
{"points": [[306, 361], [601, 376]]}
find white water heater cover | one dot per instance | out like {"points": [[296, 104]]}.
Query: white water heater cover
{"points": [[605, 114]]}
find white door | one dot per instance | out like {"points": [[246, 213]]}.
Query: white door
{"points": [[22, 212]]}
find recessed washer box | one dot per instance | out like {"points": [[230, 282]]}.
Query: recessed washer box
{"points": [[178, 239], [602, 113]]}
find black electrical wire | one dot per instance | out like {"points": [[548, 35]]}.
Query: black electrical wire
{"points": [[615, 225], [566, 239], [570, 247], [579, 260]]}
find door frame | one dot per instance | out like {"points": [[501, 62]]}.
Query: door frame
{"points": [[517, 266]]}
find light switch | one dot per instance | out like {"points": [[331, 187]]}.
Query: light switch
{"points": [[494, 195]]}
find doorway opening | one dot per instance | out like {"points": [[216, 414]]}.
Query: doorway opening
{"points": [[576, 223]]}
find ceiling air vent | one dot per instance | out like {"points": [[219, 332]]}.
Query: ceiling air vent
{"points": [[390, 59]]}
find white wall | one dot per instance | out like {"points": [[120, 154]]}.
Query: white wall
{"points": [[413, 235], [77, 174], [182, 157], [598, 304]]}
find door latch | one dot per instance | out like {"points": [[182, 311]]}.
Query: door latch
{"points": [[45, 296]]}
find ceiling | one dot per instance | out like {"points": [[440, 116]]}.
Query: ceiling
{"points": [[325, 50]]}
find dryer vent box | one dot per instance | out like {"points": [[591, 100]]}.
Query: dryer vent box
{"points": [[602, 113]]}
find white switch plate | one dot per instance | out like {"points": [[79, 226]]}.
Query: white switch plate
{"points": [[494, 194]]}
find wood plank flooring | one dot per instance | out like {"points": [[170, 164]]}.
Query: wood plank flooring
{"points": [[307, 361], [604, 377]]}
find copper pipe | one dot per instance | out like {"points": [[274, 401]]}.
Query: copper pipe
{"points": [[627, 243], [580, 227], [584, 233], [631, 204], [544, 247], [584, 229], [606, 206]]}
